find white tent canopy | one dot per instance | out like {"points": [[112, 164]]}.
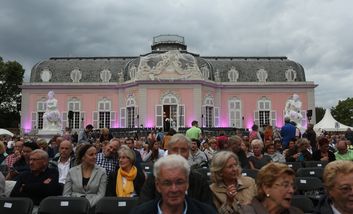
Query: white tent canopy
{"points": [[328, 123], [5, 132]]}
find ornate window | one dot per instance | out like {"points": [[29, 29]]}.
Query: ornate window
{"points": [[105, 75], [235, 113], [264, 114], [209, 113], [291, 75], [129, 115], [76, 75], [74, 105], [104, 117], [262, 75], [37, 116], [45, 75], [233, 75]]}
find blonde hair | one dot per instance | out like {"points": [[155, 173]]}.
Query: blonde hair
{"points": [[218, 163], [257, 142], [334, 168], [128, 152]]}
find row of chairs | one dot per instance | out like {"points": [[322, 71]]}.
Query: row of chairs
{"points": [[107, 205], [69, 205]]}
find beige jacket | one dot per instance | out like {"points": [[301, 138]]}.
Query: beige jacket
{"points": [[246, 192]]}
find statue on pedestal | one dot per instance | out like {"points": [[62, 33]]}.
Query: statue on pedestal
{"points": [[293, 110], [51, 117]]}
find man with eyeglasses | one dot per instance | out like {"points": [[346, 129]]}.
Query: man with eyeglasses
{"points": [[198, 187], [172, 181], [40, 182], [343, 153]]}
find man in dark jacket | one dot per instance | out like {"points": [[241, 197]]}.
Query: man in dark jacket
{"points": [[171, 174], [287, 132], [198, 186], [40, 182]]}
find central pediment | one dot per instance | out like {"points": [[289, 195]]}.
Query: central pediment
{"points": [[171, 65]]}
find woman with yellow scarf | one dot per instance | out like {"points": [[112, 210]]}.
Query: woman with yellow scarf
{"points": [[127, 180]]}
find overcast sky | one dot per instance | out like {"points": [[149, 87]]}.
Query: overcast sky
{"points": [[316, 33]]}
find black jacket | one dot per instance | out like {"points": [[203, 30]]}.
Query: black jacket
{"points": [[138, 182], [193, 206], [324, 206], [199, 189], [37, 187]]}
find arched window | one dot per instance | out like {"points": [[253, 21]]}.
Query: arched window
{"points": [[105, 75], [129, 115], [37, 116], [262, 75], [264, 114], [76, 75], [235, 113], [74, 105], [291, 75], [104, 117]]}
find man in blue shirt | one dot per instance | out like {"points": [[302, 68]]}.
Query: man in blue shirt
{"points": [[287, 132]]}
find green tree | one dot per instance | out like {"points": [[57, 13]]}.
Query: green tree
{"points": [[319, 113], [11, 76], [343, 112]]}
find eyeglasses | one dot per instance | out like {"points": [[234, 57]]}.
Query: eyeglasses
{"points": [[286, 185], [177, 183], [345, 188]]}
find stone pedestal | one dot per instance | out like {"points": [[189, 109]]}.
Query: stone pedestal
{"points": [[48, 134]]}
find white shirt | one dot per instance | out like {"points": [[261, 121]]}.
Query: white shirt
{"points": [[63, 169]]}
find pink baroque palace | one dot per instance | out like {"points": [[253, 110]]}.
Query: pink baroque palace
{"points": [[168, 85]]}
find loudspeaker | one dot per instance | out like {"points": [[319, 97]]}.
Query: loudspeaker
{"points": [[309, 113], [70, 115]]}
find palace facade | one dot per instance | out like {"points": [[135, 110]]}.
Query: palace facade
{"points": [[167, 86]]}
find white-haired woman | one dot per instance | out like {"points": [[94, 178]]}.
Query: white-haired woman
{"points": [[230, 189], [258, 160]]}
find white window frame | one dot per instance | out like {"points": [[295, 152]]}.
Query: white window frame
{"points": [[235, 113]]}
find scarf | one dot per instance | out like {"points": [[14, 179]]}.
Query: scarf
{"points": [[128, 189]]}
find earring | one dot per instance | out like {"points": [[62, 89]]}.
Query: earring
{"points": [[267, 195]]}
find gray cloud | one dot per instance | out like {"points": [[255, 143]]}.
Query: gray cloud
{"points": [[315, 33]]}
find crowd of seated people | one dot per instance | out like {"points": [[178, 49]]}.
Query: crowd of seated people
{"points": [[108, 166]]}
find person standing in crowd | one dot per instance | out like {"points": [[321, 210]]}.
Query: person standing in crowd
{"points": [[107, 159], [234, 143], [323, 153], [275, 189], [268, 133], [65, 161], [172, 182], [197, 158], [198, 185], [258, 160], [310, 134], [194, 132], [85, 135], [230, 189], [288, 132], [127, 180], [40, 181], [167, 138], [343, 153], [87, 179], [338, 182], [222, 139], [255, 134]]}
